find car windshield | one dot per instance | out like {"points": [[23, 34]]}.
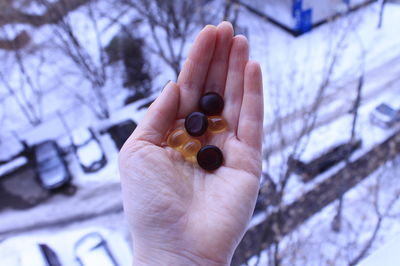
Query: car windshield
{"points": [[386, 109], [51, 162], [90, 153], [45, 151], [53, 176]]}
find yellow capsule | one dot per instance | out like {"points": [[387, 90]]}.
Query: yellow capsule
{"points": [[216, 124], [177, 138], [191, 148]]}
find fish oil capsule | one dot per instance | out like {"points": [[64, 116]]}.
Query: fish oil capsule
{"points": [[217, 124], [190, 149], [177, 138]]}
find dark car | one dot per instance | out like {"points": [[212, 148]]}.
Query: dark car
{"points": [[49, 255], [324, 162], [50, 167], [88, 150], [121, 132]]}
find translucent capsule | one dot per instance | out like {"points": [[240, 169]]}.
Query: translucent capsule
{"points": [[190, 149], [177, 138], [217, 124]]}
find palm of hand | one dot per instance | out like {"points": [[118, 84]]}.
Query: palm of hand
{"points": [[173, 205]]}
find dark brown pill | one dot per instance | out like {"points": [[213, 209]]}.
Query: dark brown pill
{"points": [[196, 124], [211, 103], [210, 157]]}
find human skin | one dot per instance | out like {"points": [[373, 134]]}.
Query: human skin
{"points": [[178, 213]]}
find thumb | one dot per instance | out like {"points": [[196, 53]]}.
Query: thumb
{"points": [[159, 117]]}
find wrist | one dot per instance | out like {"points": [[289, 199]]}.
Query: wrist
{"points": [[151, 256]]}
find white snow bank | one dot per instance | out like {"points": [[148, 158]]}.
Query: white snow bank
{"points": [[387, 255]]}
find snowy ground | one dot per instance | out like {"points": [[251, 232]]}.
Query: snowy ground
{"points": [[97, 203], [359, 221], [63, 239]]}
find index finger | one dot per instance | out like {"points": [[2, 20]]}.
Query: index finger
{"points": [[192, 78]]}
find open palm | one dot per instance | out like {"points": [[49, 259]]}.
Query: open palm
{"points": [[178, 212]]}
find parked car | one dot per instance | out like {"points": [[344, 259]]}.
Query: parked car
{"points": [[93, 250], [50, 166], [49, 255], [121, 132], [324, 162], [385, 116], [88, 150]]}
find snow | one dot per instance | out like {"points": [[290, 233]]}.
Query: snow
{"points": [[80, 136], [90, 153], [332, 134], [314, 242], [292, 68], [281, 11], [24, 249], [387, 255], [12, 165], [10, 146], [304, 59]]}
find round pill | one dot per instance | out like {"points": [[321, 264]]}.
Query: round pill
{"points": [[216, 124], [177, 138], [211, 103], [210, 157], [196, 124]]}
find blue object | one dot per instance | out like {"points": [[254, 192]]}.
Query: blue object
{"points": [[304, 20], [347, 2], [297, 6]]}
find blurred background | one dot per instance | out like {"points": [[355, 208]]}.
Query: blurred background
{"points": [[76, 76]]}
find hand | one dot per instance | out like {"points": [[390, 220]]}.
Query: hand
{"points": [[178, 213]]}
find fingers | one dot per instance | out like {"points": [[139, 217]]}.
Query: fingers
{"points": [[219, 66], [159, 117], [234, 82], [252, 110], [192, 78]]}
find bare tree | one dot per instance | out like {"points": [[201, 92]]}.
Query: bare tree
{"points": [[336, 224], [27, 90], [381, 216], [231, 12], [271, 235], [171, 24], [10, 13], [91, 64]]}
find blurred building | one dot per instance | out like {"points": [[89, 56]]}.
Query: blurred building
{"points": [[300, 16]]}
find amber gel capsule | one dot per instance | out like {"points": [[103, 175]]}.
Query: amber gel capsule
{"points": [[177, 138], [190, 149], [216, 124]]}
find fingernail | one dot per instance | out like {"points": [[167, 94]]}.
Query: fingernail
{"points": [[225, 22], [167, 83], [209, 26]]}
